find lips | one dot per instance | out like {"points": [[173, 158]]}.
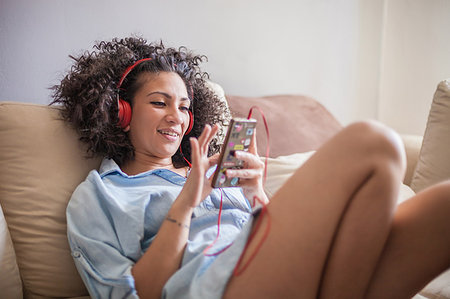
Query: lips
{"points": [[169, 134]]}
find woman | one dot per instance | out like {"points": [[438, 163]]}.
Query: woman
{"points": [[145, 224]]}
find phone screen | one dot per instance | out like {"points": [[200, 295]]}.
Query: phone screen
{"points": [[239, 136]]}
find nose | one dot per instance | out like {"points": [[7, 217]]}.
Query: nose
{"points": [[174, 116]]}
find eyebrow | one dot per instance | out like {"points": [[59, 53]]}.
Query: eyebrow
{"points": [[166, 95]]}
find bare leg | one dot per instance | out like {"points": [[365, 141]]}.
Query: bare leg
{"points": [[418, 247], [330, 221]]}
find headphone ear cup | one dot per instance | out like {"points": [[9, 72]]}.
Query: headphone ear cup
{"points": [[124, 113], [191, 123]]}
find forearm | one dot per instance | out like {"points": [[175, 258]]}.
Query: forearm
{"points": [[163, 257]]}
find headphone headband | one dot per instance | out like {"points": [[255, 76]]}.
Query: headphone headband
{"points": [[129, 69]]}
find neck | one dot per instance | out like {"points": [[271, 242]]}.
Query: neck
{"points": [[142, 163]]}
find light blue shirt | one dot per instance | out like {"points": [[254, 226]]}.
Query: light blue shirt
{"points": [[112, 219]]}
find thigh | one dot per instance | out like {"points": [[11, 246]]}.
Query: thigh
{"points": [[418, 247], [305, 212]]}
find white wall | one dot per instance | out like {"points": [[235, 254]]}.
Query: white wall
{"points": [[329, 49], [416, 56]]}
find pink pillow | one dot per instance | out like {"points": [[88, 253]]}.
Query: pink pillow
{"points": [[296, 123]]}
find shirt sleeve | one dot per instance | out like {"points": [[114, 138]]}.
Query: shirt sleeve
{"points": [[95, 244]]}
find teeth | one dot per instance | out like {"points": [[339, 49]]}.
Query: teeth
{"points": [[169, 133]]}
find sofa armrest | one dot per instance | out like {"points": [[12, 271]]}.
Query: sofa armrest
{"points": [[413, 144], [10, 282]]}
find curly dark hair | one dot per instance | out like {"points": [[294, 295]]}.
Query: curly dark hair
{"points": [[88, 94]]}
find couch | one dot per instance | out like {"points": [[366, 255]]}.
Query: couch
{"points": [[42, 161]]}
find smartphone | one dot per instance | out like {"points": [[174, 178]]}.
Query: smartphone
{"points": [[239, 136]]}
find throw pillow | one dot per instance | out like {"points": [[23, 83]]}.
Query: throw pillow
{"points": [[43, 162], [434, 160], [296, 123]]}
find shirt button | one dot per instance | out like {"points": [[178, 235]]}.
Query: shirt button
{"points": [[76, 254]]}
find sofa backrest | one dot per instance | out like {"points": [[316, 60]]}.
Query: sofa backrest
{"points": [[42, 161], [296, 123]]}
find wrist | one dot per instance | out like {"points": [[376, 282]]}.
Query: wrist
{"points": [[190, 195], [175, 221], [181, 208]]}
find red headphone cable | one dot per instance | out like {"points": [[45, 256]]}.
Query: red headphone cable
{"points": [[264, 211], [239, 270], [205, 251]]}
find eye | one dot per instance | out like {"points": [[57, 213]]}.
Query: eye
{"points": [[158, 103], [184, 108]]}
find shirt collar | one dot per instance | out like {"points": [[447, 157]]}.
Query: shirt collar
{"points": [[109, 166]]}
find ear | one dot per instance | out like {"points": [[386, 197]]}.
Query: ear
{"points": [[126, 129]]}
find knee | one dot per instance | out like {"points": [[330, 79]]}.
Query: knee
{"points": [[378, 144], [440, 193]]}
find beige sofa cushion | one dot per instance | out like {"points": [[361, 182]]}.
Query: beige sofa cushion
{"points": [[439, 288], [280, 169], [413, 144], [434, 161], [40, 162]]}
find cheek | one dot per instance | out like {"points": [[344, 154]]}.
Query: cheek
{"points": [[142, 119], [140, 128]]}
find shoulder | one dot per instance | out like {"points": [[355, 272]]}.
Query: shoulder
{"points": [[89, 194], [86, 195], [109, 187]]}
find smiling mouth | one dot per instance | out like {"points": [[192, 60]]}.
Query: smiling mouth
{"points": [[169, 133]]}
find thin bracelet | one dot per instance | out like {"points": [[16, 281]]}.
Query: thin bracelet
{"points": [[168, 218]]}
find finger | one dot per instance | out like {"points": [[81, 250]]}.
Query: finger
{"points": [[204, 134], [253, 146], [212, 133], [252, 160], [247, 184], [244, 173], [195, 151]]}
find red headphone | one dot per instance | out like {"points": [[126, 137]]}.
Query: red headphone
{"points": [[125, 108]]}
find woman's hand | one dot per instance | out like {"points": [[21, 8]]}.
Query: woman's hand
{"points": [[164, 255], [251, 176], [197, 187]]}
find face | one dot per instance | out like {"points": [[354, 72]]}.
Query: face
{"points": [[159, 115]]}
